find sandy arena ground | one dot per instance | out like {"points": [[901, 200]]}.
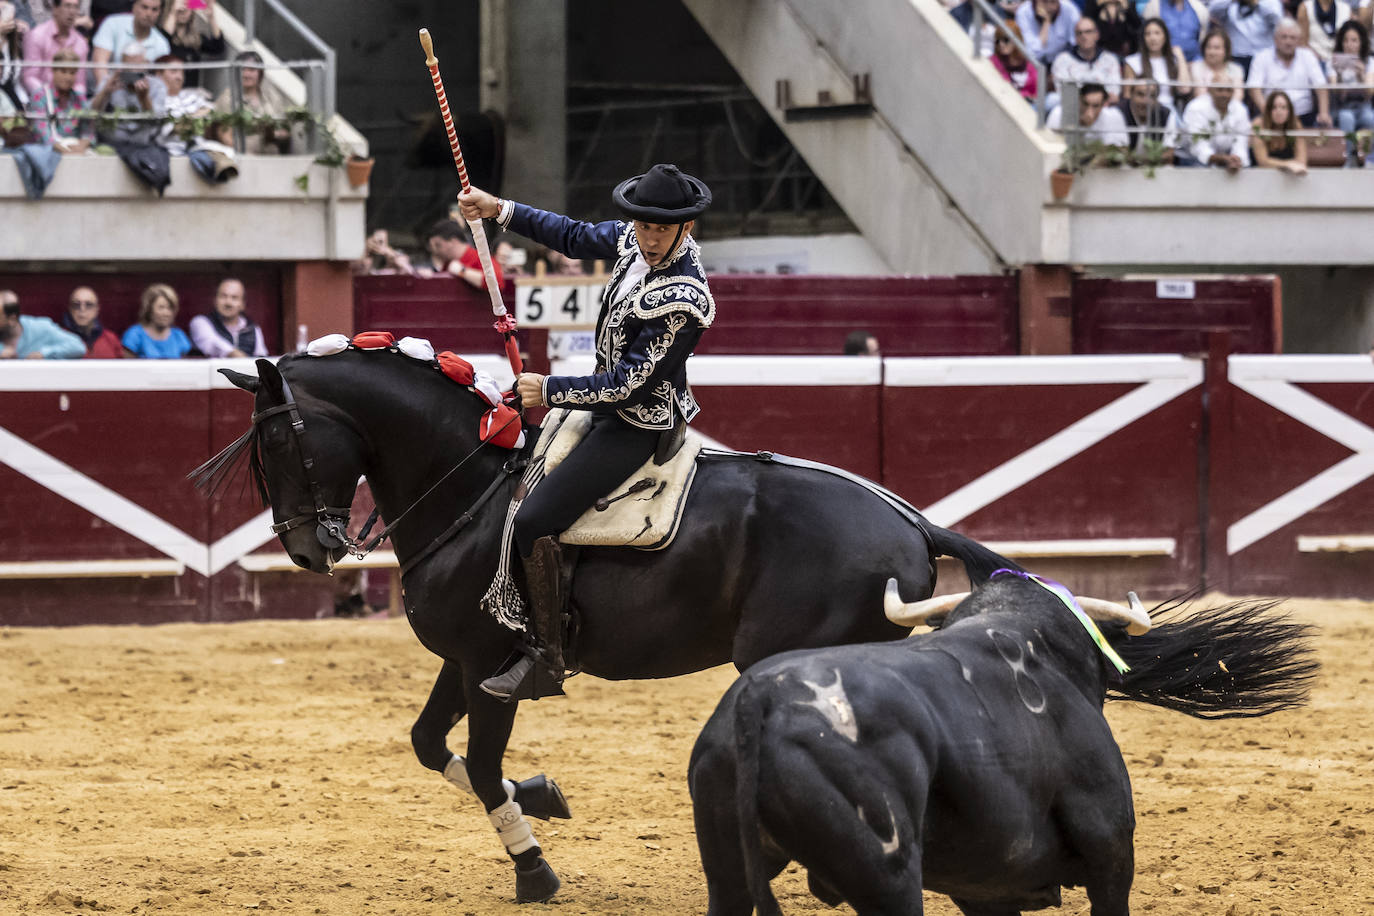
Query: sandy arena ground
{"points": [[267, 766]]}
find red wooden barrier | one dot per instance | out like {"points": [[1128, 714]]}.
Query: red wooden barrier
{"points": [[1172, 315], [1076, 464]]}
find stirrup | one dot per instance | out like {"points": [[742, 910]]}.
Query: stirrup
{"points": [[523, 678]]}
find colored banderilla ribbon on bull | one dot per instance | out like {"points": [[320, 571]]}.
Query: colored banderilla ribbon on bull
{"points": [[505, 322], [1070, 602]]}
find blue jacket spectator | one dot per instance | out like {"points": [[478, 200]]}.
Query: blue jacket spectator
{"points": [[33, 337]]}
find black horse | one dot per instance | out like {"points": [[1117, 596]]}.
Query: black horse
{"points": [[770, 557]]}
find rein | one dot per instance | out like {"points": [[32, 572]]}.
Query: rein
{"points": [[332, 521]]}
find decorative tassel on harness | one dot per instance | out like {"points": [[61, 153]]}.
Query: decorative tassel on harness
{"points": [[503, 600]]}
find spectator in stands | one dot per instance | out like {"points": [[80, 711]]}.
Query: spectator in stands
{"points": [[381, 258], [1216, 63], [156, 336], [1295, 70], [510, 260], [1141, 109], [1352, 69], [82, 318], [226, 331], [33, 337], [1118, 25], [1098, 122], [560, 265], [861, 343], [963, 14], [1216, 129], [1160, 61], [1318, 23], [53, 109], [1087, 62], [1187, 22], [44, 10], [1012, 64], [133, 91], [262, 99], [192, 39], [1273, 142], [449, 251], [136, 27], [1047, 27], [182, 99], [1250, 25], [43, 41], [13, 29]]}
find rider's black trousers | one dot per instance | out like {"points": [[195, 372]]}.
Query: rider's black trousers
{"points": [[611, 451]]}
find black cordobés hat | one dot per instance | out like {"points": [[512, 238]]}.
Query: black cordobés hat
{"points": [[664, 194]]}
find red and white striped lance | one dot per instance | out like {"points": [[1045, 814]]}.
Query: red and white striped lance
{"points": [[505, 323]]}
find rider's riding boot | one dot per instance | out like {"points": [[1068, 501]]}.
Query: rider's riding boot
{"points": [[537, 669]]}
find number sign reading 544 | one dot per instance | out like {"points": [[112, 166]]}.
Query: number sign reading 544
{"points": [[557, 306]]}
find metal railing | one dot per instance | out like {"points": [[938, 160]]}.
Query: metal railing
{"points": [[316, 143], [323, 84], [1079, 141]]}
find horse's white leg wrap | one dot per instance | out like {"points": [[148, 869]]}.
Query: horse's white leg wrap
{"points": [[457, 773], [514, 830]]}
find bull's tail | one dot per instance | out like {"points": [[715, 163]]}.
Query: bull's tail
{"points": [[1237, 660], [979, 562], [748, 732]]}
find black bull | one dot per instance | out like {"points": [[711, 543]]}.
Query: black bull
{"points": [[769, 558], [973, 761]]}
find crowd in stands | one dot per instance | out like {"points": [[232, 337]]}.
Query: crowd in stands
{"points": [[448, 250], [224, 330], [1228, 84], [60, 94]]}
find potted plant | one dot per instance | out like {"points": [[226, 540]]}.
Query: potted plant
{"points": [[359, 169]]}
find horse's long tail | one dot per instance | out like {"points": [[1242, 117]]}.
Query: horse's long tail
{"points": [[979, 562], [1234, 661], [748, 732]]}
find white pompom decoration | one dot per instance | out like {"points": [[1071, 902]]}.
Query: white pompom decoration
{"points": [[486, 386], [416, 348], [327, 345]]}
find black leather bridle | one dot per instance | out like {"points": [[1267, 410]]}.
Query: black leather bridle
{"points": [[331, 522]]}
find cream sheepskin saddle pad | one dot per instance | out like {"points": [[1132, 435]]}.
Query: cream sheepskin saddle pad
{"points": [[642, 512]]}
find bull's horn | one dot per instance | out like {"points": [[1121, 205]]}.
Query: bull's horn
{"points": [[916, 613], [1136, 619]]}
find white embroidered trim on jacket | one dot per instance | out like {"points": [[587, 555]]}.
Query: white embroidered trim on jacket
{"points": [[635, 377]]}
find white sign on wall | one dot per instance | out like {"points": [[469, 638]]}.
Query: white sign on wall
{"points": [[559, 306], [1175, 289]]}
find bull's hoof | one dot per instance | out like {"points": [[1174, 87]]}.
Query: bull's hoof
{"points": [[539, 796], [537, 884]]}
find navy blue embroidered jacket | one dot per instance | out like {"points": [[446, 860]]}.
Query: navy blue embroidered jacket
{"points": [[644, 334]]}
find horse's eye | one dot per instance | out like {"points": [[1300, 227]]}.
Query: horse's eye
{"points": [[274, 438]]}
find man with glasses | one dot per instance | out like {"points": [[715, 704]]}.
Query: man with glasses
{"points": [[82, 318], [1087, 62], [32, 337]]}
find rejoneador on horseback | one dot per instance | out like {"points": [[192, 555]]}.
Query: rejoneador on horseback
{"points": [[654, 309]]}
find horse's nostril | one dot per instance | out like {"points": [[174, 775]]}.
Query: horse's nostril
{"points": [[300, 560]]}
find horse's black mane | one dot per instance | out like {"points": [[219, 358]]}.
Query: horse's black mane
{"points": [[240, 460]]}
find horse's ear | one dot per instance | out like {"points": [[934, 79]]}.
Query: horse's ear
{"points": [[242, 380], [270, 377]]}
